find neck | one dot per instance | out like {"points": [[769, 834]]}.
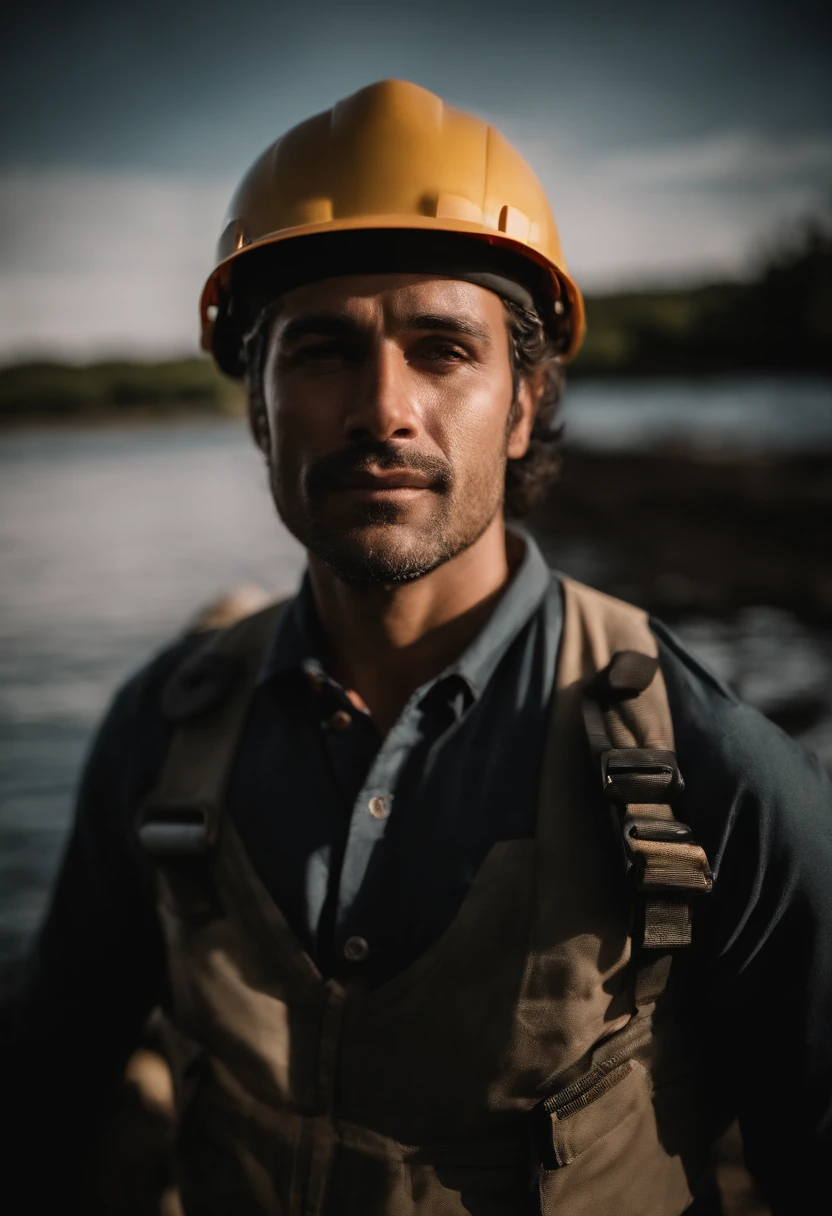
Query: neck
{"points": [[387, 641]]}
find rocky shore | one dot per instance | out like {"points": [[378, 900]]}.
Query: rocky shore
{"points": [[683, 532]]}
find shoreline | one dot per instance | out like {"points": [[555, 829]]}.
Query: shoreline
{"points": [[684, 532], [115, 419]]}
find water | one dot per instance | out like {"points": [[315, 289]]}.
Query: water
{"points": [[750, 413], [111, 538]]}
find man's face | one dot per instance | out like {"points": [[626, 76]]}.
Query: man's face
{"points": [[387, 427]]}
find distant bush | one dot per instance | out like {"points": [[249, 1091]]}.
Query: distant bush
{"points": [[780, 322], [46, 389]]}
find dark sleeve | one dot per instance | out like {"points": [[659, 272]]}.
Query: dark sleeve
{"points": [[96, 968], [761, 805]]}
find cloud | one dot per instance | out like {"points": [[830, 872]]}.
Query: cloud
{"points": [[732, 157], [103, 263], [689, 211]]}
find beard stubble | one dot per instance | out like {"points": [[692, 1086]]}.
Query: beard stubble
{"points": [[372, 544]]}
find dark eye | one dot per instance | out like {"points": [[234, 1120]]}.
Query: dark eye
{"points": [[319, 352], [443, 352]]}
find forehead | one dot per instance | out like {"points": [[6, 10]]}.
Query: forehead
{"points": [[396, 297]]}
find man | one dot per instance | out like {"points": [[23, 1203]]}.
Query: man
{"points": [[440, 923]]}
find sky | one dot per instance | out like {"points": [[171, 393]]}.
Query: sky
{"points": [[677, 142]]}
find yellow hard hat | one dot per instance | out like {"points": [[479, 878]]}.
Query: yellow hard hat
{"points": [[390, 158]]}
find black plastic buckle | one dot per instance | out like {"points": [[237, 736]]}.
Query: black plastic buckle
{"points": [[624, 769], [173, 830], [671, 831], [665, 831]]}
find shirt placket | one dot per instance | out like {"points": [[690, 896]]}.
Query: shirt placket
{"points": [[368, 824]]}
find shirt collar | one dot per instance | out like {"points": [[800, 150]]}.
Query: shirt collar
{"points": [[518, 603], [298, 641]]}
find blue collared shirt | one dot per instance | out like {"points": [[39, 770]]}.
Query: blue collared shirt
{"points": [[378, 838]]}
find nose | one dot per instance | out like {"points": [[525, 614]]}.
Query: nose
{"points": [[383, 407]]}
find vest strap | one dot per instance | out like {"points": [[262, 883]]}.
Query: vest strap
{"points": [[666, 868], [640, 774], [208, 698]]}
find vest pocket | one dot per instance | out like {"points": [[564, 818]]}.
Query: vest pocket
{"points": [[603, 1151], [584, 1112]]}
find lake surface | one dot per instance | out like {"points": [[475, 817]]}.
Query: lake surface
{"points": [[741, 413], [112, 537]]}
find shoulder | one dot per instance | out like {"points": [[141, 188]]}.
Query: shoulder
{"points": [[713, 724], [759, 802], [142, 693], [134, 734], [192, 673], [164, 688]]}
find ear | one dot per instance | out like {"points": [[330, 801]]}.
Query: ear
{"points": [[524, 409], [259, 425]]}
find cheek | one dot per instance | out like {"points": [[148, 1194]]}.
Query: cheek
{"points": [[470, 424], [303, 423]]}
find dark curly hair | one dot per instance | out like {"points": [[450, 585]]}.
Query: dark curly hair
{"points": [[535, 354]]}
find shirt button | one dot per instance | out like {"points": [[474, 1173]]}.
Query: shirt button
{"points": [[378, 808], [340, 720], [356, 949]]}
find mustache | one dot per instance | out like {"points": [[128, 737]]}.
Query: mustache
{"points": [[329, 472]]}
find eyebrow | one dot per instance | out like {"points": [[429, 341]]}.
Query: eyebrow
{"points": [[330, 325], [326, 325], [448, 323]]}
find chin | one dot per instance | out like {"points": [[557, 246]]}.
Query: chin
{"points": [[383, 544], [378, 555]]}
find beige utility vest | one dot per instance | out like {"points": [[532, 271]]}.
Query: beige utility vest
{"points": [[533, 1059]]}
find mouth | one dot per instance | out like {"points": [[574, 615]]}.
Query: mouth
{"points": [[383, 485]]}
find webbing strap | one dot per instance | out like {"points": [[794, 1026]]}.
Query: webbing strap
{"points": [[611, 654], [178, 823], [629, 731]]}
